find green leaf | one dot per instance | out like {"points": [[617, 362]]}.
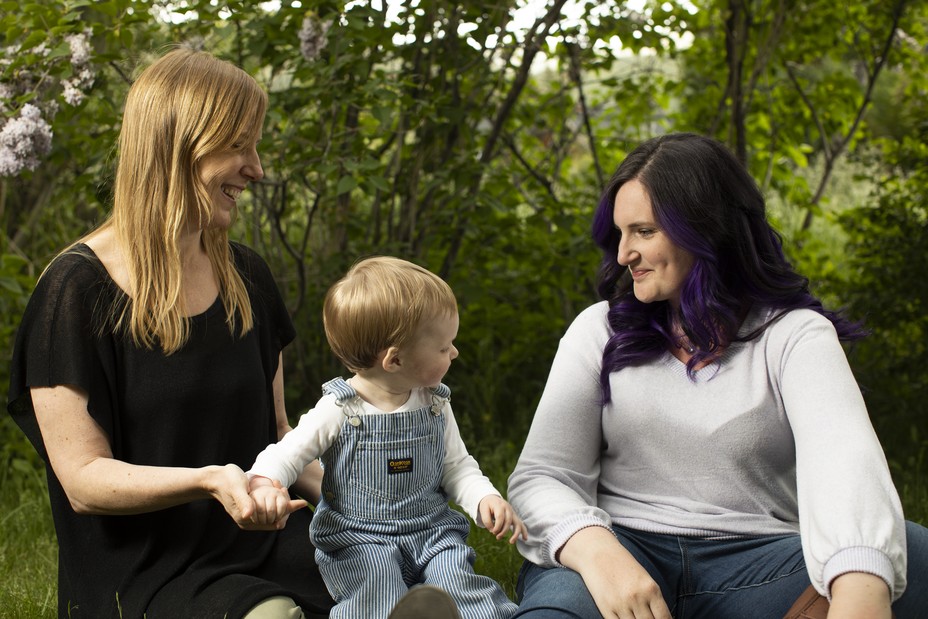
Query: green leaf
{"points": [[126, 37], [345, 184], [378, 182], [34, 38], [10, 284], [383, 114], [61, 51], [13, 33]]}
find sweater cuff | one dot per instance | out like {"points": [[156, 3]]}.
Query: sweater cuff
{"points": [[859, 559], [563, 532]]}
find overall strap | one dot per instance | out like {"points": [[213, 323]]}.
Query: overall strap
{"points": [[340, 388], [346, 397], [441, 395]]}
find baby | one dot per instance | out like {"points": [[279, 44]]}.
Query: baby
{"points": [[391, 452]]}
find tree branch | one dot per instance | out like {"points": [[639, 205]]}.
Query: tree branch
{"points": [[538, 176], [576, 75], [841, 144], [534, 41], [826, 146]]}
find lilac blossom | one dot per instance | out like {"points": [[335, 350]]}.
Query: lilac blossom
{"points": [[6, 93], [71, 92], [73, 89], [313, 37], [25, 133], [24, 140], [80, 48]]}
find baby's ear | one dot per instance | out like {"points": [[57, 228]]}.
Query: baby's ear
{"points": [[390, 360]]}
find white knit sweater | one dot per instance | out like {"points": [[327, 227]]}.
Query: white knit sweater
{"points": [[773, 439]]}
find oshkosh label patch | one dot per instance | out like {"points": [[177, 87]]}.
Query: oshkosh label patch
{"points": [[399, 465]]}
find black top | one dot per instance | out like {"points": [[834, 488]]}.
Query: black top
{"points": [[209, 403]]}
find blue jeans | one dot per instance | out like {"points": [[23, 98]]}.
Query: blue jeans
{"points": [[712, 579]]}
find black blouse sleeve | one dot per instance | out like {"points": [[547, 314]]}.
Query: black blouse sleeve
{"points": [[58, 341]]}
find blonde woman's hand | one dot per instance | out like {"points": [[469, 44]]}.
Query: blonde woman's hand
{"points": [[498, 516], [272, 501], [229, 485]]}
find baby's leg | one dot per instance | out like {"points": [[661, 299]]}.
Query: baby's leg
{"points": [[477, 596], [364, 580]]}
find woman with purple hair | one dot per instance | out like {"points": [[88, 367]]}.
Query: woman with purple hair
{"points": [[702, 449]]}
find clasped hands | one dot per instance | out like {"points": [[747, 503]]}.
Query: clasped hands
{"points": [[272, 503], [268, 505], [235, 491]]}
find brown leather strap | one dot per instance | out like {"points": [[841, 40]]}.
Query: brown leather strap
{"points": [[810, 605]]}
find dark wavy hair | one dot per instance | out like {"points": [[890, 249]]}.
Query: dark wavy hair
{"points": [[707, 203]]}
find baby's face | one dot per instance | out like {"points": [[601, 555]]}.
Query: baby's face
{"points": [[429, 355]]}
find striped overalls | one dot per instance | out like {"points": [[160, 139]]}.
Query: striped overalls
{"points": [[383, 523]]}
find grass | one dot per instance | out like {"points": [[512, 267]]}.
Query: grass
{"points": [[28, 550]]}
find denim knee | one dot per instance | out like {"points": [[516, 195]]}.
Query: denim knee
{"points": [[914, 601], [553, 593]]}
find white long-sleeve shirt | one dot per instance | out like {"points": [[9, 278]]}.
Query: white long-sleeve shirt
{"points": [[319, 427], [773, 439]]}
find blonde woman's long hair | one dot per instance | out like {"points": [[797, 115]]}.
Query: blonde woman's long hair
{"points": [[186, 105]]}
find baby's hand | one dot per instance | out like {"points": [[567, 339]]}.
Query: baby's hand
{"points": [[498, 517], [272, 502]]}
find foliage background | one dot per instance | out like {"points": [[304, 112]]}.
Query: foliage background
{"points": [[473, 138]]}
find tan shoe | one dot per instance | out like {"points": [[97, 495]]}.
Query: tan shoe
{"points": [[425, 602]]}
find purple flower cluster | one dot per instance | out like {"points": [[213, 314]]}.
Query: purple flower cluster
{"points": [[25, 132], [24, 140], [313, 36], [74, 87]]}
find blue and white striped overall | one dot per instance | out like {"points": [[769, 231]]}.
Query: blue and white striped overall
{"points": [[383, 524]]}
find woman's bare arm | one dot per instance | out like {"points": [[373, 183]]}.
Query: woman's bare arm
{"points": [[96, 483], [859, 595]]}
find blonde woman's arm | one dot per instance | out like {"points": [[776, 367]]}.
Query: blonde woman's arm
{"points": [[95, 482]]}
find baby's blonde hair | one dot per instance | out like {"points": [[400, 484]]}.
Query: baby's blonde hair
{"points": [[380, 303]]}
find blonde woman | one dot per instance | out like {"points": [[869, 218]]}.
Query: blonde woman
{"points": [[147, 371]]}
